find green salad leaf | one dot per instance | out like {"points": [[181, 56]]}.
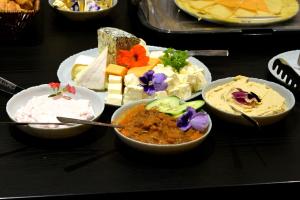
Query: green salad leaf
{"points": [[175, 58]]}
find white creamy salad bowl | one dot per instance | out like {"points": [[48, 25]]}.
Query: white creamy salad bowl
{"points": [[21, 98], [262, 120]]}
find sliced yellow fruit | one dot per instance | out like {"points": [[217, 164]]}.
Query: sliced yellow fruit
{"points": [[219, 11], [274, 6]]}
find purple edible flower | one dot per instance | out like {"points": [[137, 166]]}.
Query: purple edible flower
{"points": [[152, 82], [244, 97], [93, 6], [191, 118]]}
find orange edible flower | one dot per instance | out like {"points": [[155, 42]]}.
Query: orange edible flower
{"points": [[135, 57]]}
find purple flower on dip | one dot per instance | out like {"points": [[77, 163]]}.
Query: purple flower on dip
{"points": [[244, 97], [192, 119], [152, 82]]}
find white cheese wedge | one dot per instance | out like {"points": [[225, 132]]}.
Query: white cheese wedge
{"points": [[84, 60], [93, 77], [115, 79], [115, 99]]}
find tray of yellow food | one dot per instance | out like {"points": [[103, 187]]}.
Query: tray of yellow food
{"points": [[240, 12], [124, 69]]}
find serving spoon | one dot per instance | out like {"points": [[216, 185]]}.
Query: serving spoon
{"points": [[247, 117]]}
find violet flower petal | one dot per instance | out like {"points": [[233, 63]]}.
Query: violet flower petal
{"points": [[149, 89], [158, 82], [183, 122], [147, 77], [200, 122]]}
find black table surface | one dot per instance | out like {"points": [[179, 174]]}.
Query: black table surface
{"points": [[96, 164]]}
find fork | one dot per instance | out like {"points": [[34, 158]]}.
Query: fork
{"points": [[288, 74]]}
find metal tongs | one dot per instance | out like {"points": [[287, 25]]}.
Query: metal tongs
{"points": [[208, 52], [9, 87]]}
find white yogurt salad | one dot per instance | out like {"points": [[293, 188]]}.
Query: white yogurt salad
{"points": [[46, 109]]}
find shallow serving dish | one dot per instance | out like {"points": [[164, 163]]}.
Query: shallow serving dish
{"points": [[262, 120], [83, 16], [155, 148], [21, 98]]}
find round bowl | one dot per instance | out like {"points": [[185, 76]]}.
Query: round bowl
{"points": [[21, 98], [262, 120], [155, 148], [84, 15]]}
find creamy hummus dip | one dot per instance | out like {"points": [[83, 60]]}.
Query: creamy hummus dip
{"points": [[46, 109], [270, 102]]}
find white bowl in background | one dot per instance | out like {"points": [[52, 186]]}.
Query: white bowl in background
{"points": [[84, 15], [262, 120], [155, 148], [21, 98]]}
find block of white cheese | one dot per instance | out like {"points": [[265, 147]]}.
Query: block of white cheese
{"points": [[131, 79], [93, 77], [115, 99], [183, 91], [133, 93], [114, 79]]}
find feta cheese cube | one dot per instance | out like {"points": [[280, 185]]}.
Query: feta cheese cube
{"points": [[131, 79], [114, 88], [115, 99], [183, 91], [167, 70], [134, 92], [114, 79], [160, 94]]}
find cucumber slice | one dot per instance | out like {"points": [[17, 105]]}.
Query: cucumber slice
{"points": [[164, 104], [182, 108]]}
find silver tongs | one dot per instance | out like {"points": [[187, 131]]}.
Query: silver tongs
{"points": [[208, 52]]}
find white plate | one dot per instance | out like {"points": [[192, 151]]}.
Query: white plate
{"points": [[291, 57], [21, 98], [65, 68]]}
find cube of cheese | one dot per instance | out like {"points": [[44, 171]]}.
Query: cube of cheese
{"points": [[115, 99], [115, 79], [131, 79], [183, 91], [133, 92], [167, 70], [117, 70], [114, 88], [160, 94]]}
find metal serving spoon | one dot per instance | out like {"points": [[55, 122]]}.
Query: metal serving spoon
{"points": [[247, 117]]}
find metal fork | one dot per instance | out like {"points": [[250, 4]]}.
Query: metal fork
{"points": [[288, 74]]}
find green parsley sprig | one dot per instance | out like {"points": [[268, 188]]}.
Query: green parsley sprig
{"points": [[175, 58]]}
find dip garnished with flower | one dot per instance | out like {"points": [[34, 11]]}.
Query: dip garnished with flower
{"points": [[46, 108], [164, 121], [249, 97]]}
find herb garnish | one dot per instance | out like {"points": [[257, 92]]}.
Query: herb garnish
{"points": [[175, 58]]}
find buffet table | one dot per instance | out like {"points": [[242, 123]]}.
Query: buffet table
{"points": [[97, 165]]}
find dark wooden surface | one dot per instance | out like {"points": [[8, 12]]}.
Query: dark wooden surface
{"points": [[97, 165]]}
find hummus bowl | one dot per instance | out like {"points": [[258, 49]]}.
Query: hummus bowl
{"points": [[151, 147], [264, 113], [21, 99]]}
